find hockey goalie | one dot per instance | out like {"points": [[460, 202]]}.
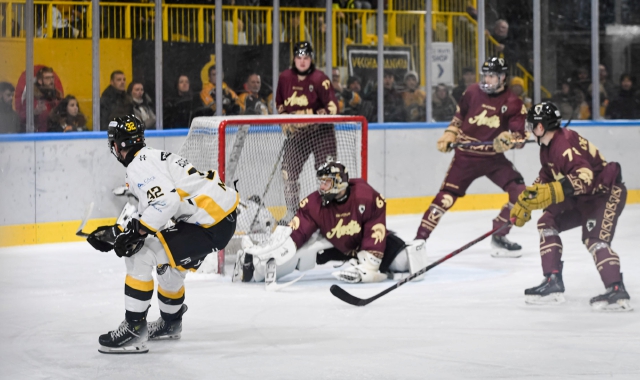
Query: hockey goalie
{"points": [[345, 220]]}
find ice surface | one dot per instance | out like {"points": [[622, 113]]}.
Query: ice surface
{"points": [[467, 319]]}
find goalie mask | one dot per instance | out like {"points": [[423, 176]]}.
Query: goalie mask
{"points": [[493, 67], [126, 132], [332, 179], [545, 113]]}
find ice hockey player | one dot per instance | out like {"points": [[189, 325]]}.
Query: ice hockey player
{"points": [[303, 90], [344, 220], [576, 187], [168, 187], [488, 111]]}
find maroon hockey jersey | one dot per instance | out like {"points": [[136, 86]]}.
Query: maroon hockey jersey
{"points": [[482, 117], [571, 156], [312, 95], [355, 225]]}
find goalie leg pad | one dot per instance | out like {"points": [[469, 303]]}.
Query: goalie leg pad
{"points": [[411, 259]]}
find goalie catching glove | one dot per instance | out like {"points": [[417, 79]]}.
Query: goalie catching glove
{"points": [[130, 241], [366, 268], [104, 237]]}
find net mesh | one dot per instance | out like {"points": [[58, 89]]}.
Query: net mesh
{"points": [[274, 160]]}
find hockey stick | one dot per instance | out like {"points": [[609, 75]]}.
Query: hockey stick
{"points": [[236, 151], [477, 143], [85, 219], [355, 301], [266, 189]]}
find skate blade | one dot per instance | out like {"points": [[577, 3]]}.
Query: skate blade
{"points": [[551, 299], [501, 253], [167, 337], [270, 272], [619, 306], [141, 349]]}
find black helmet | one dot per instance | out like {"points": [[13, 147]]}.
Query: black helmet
{"points": [[339, 176], [493, 65], [303, 48], [546, 113], [126, 132]]}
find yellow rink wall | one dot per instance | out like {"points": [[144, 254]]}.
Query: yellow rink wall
{"points": [[60, 232], [71, 61]]}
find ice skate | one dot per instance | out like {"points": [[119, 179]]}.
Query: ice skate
{"points": [[243, 268], [503, 247], [129, 338], [615, 298], [165, 330], [549, 292]]}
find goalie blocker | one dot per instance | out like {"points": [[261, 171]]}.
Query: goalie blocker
{"points": [[345, 221]]}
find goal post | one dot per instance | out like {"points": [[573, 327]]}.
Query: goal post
{"points": [[256, 150]]}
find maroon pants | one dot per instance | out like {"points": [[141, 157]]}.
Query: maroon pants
{"points": [[465, 169], [598, 215], [317, 139]]}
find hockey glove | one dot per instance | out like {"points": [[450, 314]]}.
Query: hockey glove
{"points": [[542, 195], [450, 136], [104, 237], [503, 142], [130, 241], [520, 213], [365, 269]]}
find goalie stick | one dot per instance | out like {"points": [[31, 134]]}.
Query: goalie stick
{"points": [[266, 189], [85, 219], [343, 295]]}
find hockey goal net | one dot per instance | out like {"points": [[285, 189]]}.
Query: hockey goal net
{"points": [[263, 153]]}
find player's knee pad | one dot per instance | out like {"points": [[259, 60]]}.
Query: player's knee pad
{"points": [[445, 199]]}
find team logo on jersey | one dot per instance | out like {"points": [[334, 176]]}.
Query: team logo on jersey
{"points": [[161, 268], [361, 209], [585, 175], [504, 109], [310, 88], [295, 100], [164, 156], [378, 232], [483, 119], [341, 230], [591, 223]]}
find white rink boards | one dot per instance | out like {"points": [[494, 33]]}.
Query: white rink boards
{"points": [[466, 320]]}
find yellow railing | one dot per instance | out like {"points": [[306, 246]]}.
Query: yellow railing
{"points": [[253, 26]]}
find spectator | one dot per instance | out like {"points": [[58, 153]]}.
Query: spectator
{"points": [[142, 106], [67, 117], [337, 87], [517, 87], [467, 79], [626, 105], [392, 99], [353, 102], [9, 120], [181, 108], [250, 101], [583, 83], [444, 106], [46, 97], [570, 101], [606, 82], [114, 101], [61, 26], [414, 98], [229, 98], [506, 45]]}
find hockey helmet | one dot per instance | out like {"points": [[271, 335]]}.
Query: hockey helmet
{"points": [[545, 113], [335, 172], [125, 132], [494, 66], [303, 48]]}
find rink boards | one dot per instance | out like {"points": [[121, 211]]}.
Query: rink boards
{"points": [[48, 180]]}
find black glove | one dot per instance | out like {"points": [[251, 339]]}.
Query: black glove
{"points": [[104, 237], [130, 241]]}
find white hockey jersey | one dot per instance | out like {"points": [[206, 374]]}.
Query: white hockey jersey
{"points": [[168, 186]]}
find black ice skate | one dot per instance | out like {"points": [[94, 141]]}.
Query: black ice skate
{"points": [[161, 329], [243, 268], [615, 298], [550, 291], [129, 338], [503, 247]]}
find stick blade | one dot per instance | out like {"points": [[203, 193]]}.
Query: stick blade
{"points": [[342, 295]]}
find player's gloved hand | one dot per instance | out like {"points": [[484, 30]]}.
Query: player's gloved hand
{"points": [[449, 136], [365, 269], [520, 213], [503, 142], [104, 237], [520, 141], [542, 195], [130, 241]]}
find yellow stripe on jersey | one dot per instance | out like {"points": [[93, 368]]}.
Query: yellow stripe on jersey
{"points": [[172, 295], [143, 286], [166, 249], [183, 194], [148, 226], [213, 209]]}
